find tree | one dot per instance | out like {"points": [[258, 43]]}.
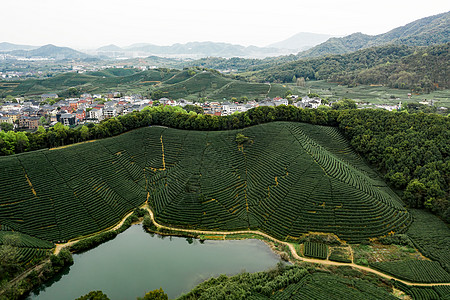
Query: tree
{"points": [[6, 126], [313, 95], [241, 139], [94, 295], [155, 295], [10, 98], [323, 108], [195, 108], [43, 120], [41, 130], [9, 254], [288, 94], [156, 95], [73, 92], [300, 81], [243, 99], [414, 193], [344, 104]]}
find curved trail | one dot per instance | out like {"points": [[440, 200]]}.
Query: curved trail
{"points": [[292, 249], [71, 242], [290, 246]]}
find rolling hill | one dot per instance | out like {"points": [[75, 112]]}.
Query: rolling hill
{"points": [[51, 51], [173, 83], [288, 179], [110, 47], [5, 46]]}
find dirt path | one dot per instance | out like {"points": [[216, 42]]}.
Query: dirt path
{"points": [[292, 249], [270, 88], [225, 233], [71, 242]]}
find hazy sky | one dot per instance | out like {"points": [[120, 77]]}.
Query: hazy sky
{"points": [[93, 23]]}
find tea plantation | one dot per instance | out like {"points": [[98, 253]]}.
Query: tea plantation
{"points": [[285, 179]]}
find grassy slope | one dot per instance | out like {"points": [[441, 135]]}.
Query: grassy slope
{"points": [[175, 84], [293, 178]]}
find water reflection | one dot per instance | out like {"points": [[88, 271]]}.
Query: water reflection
{"points": [[136, 262]]}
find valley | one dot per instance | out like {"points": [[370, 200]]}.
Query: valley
{"points": [[151, 159]]}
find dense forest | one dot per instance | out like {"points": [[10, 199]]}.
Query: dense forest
{"points": [[411, 150], [420, 69], [425, 70]]}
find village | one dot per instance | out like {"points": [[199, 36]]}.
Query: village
{"points": [[50, 109]]}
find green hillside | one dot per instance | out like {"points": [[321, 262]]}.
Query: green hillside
{"points": [[287, 179], [422, 69], [426, 69], [190, 84], [101, 81]]}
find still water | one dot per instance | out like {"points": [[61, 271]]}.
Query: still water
{"points": [[135, 263]]}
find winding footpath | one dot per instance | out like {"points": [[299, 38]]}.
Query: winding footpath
{"points": [[71, 242], [290, 246], [292, 249]]}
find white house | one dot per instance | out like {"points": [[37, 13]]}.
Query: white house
{"points": [[96, 113], [110, 112]]}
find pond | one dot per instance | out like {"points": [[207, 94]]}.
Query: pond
{"points": [[136, 262]]}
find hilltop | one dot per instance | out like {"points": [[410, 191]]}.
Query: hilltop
{"points": [[51, 51], [286, 179], [427, 31]]}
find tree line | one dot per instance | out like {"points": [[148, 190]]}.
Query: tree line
{"points": [[410, 150]]}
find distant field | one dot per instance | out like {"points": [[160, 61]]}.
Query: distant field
{"points": [[372, 94], [289, 179], [177, 84]]}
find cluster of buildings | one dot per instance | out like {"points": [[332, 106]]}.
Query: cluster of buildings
{"points": [[70, 112], [228, 108], [95, 108]]}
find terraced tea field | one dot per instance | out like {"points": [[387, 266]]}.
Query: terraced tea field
{"points": [[288, 179]]}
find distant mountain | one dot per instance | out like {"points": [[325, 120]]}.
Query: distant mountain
{"points": [[205, 49], [51, 51], [111, 47], [5, 46], [423, 32], [301, 41]]}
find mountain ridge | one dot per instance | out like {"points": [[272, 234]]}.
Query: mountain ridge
{"points": [[6, 46], [301, 40], [427, 31], [51, 51]]}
